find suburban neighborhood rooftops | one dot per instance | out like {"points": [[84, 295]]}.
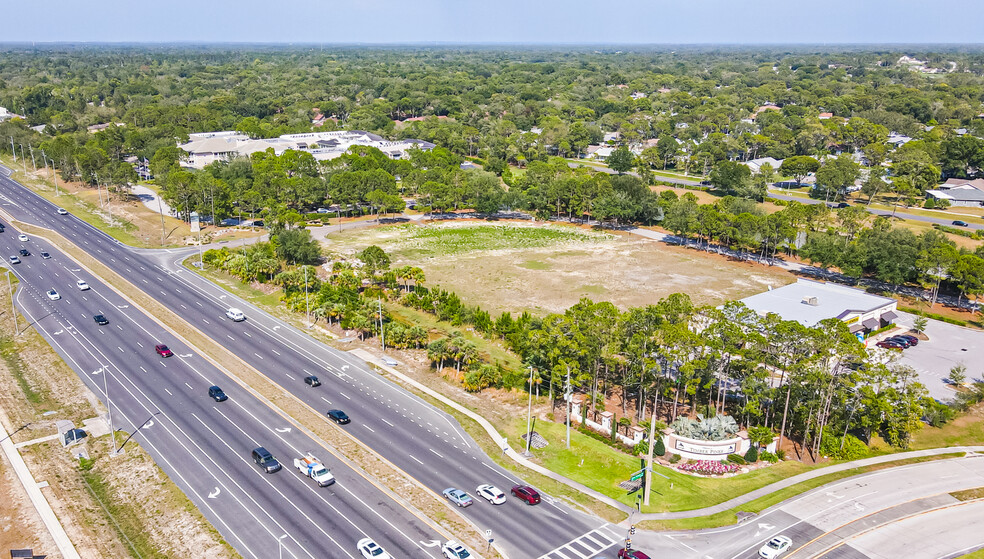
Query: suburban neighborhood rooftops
{"points": [[808, 302]]}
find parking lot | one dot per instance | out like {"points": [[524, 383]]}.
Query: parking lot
{"points": [[948, 345]]}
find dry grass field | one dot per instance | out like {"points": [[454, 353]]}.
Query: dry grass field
{"points": [[547, 268]]}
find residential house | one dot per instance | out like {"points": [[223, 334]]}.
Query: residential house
{"points": [[960, 192], [756, 164]]}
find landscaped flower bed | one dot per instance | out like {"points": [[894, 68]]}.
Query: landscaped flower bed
{"points": [[708, 468]]}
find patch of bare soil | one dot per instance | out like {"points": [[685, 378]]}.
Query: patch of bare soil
{"points": [[627, 270]]}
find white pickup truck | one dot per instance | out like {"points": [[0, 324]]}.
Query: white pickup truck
{"points": [[314, 469]]}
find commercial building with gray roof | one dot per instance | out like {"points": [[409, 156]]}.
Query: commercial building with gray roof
{"points": [[808, 302]]}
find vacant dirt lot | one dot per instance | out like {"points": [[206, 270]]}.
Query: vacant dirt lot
{"points": [[518, 267]]}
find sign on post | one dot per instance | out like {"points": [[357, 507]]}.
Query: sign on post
{"points": [[638, 475], [195, 223]]}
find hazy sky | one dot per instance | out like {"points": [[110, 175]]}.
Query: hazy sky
{"points": [[495, 21]]}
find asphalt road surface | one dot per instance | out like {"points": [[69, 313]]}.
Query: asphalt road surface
{"points": [[204, 446], [423, 441]]}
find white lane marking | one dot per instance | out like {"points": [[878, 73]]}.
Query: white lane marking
{"points": [[168, 392], [230, 337], [247, 334], [435, 453], [189, 386], [415, 458], [258, 355], [275, 351], [326, 399], [346, 395], [387, 422], [368, 427]]}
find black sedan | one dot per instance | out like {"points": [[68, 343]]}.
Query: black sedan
{"points": [[101, 320], [24, 252], [312, 381], [339, 417], [216, 393]]}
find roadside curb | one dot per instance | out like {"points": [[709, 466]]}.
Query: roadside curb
{"points": [[492, 432]]}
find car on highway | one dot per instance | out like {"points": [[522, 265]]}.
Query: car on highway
{"points": [[14, 260], [265, 460], [631, 554], [83, 286], [457, 497], [960, 223], [53, 295], [312, 381], [526, 493], [163, 350], [23, 238], [454, 550], [45, 255], [24, 252], [491, 493], [339, 417], [62, 211], [235, 315], [100, 320], [371, 550], [775, 547], [889, 344], [216, 393]]}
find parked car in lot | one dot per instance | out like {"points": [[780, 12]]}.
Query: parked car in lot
{"points": [[100, 320], [236, 315], [904, 342], [458, 497], [265, 460], [912, 339], [775, 547], [889, 344], [312, 381], [53, 295], [491, 494], [216, 393], [371, 550], [960, 223], [526, 493], [339, 417], [454, 550], [83, 286], [163, 350]]}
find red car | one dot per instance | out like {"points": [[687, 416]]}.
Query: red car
{"points": [[631, 554], [526, 493], [163, 350]]}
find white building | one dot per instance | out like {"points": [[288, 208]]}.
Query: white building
{"points": [[756, 164], [208, 147]]}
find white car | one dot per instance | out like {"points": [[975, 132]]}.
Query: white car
{"points": [[53, 295], [371, 550], [62, 211], [22, 238], [236, 315], [775, 547], [454, 550], [491, 494], [82, 285], [14, 260]]}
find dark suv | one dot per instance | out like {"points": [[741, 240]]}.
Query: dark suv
{"points": [[526, 493], [265, 460]]}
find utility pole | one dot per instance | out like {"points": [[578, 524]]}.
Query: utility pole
{"points": [[382, 335], [529, 416], [13, 150], [33, 162], [23, 159], [567, 405], [160, 210], [13, 312]]}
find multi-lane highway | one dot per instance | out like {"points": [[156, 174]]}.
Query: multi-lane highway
{"points": [[423, 441], [203, 445]]}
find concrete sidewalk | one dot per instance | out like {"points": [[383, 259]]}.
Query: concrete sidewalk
{"points": [[62, 541]]}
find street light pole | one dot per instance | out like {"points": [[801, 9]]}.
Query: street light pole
{"points": [[567, 405], [652, 443], [307, 302], [529, 416], [109, 408], [13, 312]]}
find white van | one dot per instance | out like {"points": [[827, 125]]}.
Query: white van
{"points": [[236, 315]]}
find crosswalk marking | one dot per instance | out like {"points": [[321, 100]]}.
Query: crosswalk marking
{"points": [[586, 545]]}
